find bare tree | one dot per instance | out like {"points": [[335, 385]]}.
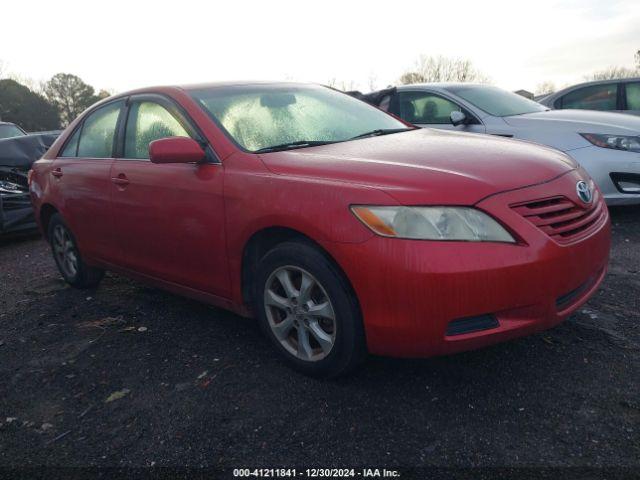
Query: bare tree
{"points": [[545, 88], [443, 69], [613, 73], [411, 77], [373, 81], [637, 57], [344, 85], [28, 82]]}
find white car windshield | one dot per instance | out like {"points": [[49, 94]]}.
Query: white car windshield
{"points": [[271, 117], [495, 101]]}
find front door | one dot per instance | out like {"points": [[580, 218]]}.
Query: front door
{"points": [[428, 109], [169, 218]]}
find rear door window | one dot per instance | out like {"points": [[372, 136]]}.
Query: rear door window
{"points": [[99, 131], [633, 95], [149, 121], [594, 97]]}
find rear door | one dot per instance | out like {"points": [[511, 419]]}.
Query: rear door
{"points": [[169, 218], [430, 109], [81, 177]]}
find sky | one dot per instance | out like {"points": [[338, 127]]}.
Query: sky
{"points": [[120, 45]]}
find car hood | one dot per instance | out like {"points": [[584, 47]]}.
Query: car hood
{"points": [[427, 166], [580, 121], [21, 152]]}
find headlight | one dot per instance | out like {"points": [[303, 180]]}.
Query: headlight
{"points": [[10, 187], [617, 142], [432, 223]]}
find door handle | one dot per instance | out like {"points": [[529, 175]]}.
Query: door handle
{"points": [[57, 172], [121, 180]]}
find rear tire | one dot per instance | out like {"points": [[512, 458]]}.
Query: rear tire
{"points": [[68, 258], [307, 308]]}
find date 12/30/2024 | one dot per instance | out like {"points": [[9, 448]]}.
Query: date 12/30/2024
{"points": [[316, 473]]}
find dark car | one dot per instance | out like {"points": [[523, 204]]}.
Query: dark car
{"points": [[18, 151], [621, 95], [10, 130]]}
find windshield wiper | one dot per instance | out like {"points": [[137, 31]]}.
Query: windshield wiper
{"points": [[291, 145], [381, 131], [315, 143]]}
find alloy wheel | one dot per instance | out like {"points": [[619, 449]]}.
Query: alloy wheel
{"points": [[300, 313], [65, 251]]}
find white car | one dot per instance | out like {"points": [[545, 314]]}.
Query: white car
{"points": [[607, 145]]}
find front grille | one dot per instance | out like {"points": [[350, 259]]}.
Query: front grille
{"points": [[15, 201], [561, 218]]}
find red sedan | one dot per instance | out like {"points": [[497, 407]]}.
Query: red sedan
{"points": [[341, 228]]}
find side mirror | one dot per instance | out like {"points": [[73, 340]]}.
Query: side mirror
{"points": [[175, 150], [457, 118]]}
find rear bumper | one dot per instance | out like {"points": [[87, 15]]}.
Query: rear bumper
{"points": [[410, 291], [16, 213]]}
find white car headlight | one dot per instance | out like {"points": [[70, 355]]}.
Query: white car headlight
{"points": [[616, 142], [432, 223]]}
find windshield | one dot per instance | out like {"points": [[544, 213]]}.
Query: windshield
{"points": [[9, 130], [258, 117], [495, 101]]}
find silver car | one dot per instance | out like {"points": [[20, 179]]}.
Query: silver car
{"points": [[606, 144], [621, 96]]}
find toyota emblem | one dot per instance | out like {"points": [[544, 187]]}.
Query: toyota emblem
{"points": [[584, 191]]}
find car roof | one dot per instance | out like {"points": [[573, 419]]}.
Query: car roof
{"points": [[604, 82], [441, 85], [553, 96], [167, 89], [199, 86], [196, 86]]}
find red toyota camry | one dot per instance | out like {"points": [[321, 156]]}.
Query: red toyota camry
{"points": [[341, 228]]}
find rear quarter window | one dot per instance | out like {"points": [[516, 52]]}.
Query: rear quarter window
{"points": [[71, 148]]}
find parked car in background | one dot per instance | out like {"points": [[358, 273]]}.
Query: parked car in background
{"points": [[622, 96], [606, 144], [342, 228], [17, 154], [9, 130]]}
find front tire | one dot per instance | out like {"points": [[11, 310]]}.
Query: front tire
{"points": [[307, 309], [67, 256]]}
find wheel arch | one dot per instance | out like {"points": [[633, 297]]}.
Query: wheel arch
{"points": [[46, 212], [267, 238]]}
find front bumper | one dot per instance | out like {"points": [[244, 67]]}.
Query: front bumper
{"points": [[601, 163], [410, 291], [16, 213]]}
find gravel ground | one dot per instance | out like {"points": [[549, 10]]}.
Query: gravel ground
{"points": [[127, 375]]}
